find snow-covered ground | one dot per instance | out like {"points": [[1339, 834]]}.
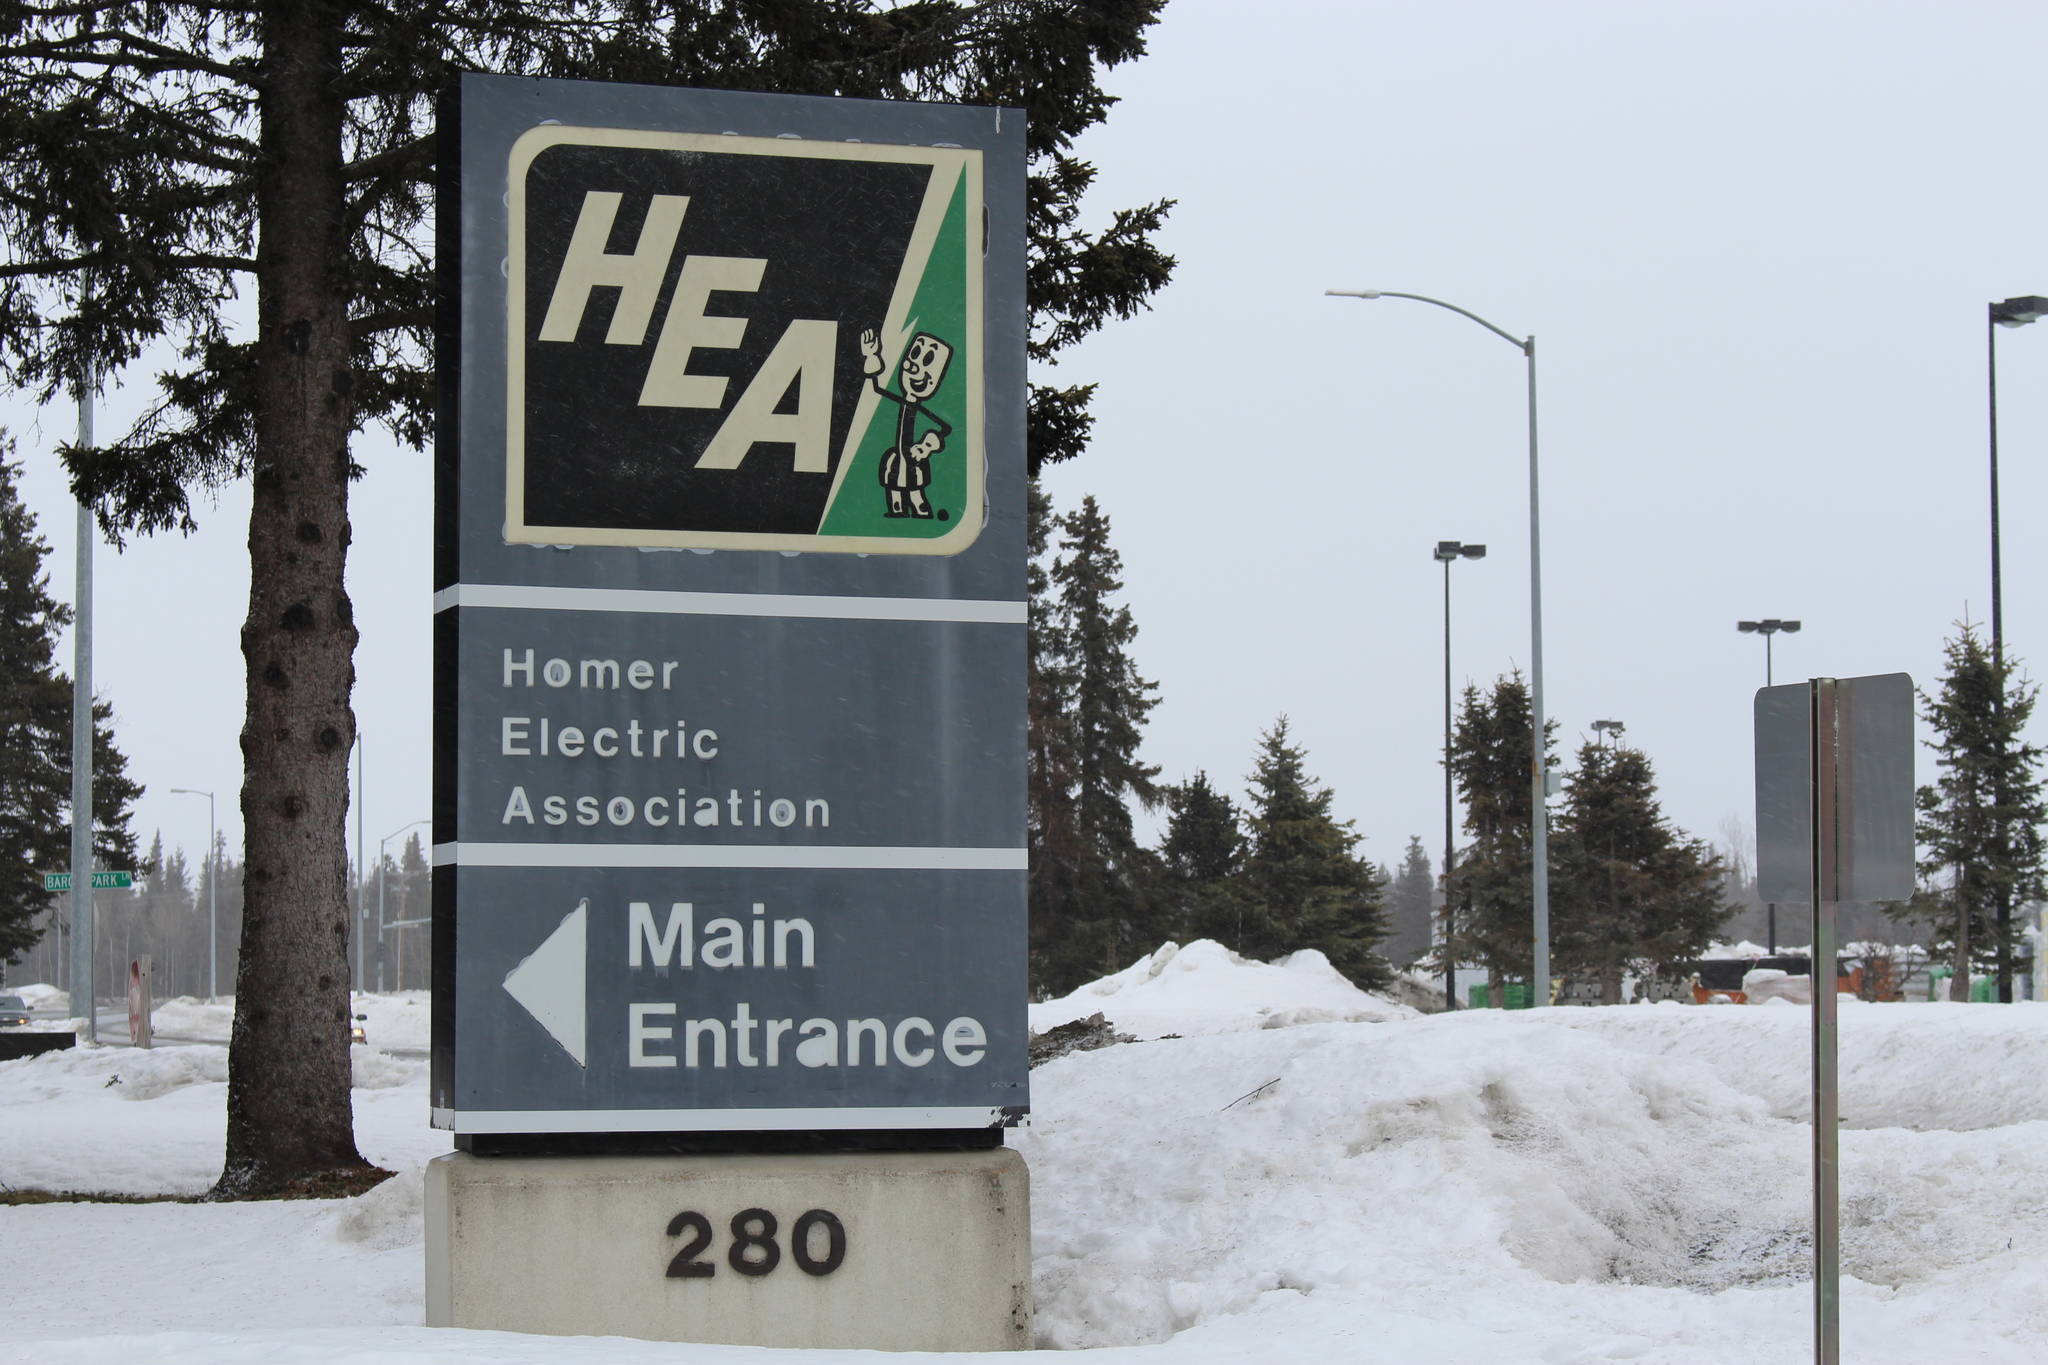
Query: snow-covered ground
{"points": [[1305, 1173]]}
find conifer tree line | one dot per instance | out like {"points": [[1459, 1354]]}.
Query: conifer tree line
{"points": [[1630, 893], [35, 742], [165, 915], [1272, 875], [1979, 825]]}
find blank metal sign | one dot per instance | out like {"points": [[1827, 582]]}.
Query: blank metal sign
{"points": [[1873, 737]]}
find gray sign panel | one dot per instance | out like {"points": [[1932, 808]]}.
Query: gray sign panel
{"points": [[729, 753], [1869, 725]]}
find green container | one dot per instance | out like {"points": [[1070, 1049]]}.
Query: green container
{"points": [[1516, 993]]}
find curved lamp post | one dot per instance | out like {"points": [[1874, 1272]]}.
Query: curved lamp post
{"points": [[1446, 552], [1539, 779]]}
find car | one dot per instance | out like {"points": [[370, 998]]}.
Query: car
{"points": [[13, 1011], [356, 1032]]}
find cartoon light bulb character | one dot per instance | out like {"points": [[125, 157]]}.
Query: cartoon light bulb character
{"points": [[907, 466]]}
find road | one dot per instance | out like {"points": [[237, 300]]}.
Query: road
{"points": [[113, 1032]]}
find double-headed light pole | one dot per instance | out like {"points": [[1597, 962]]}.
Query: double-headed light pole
{"points": [[2014, 312], [1768, 628], [1539, 778], [1447, 552]]}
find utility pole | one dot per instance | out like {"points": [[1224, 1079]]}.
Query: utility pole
{"points": [[81, 744]]}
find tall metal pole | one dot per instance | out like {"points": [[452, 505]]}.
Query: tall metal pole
{"points": [[81, 744], [1539, 778], [212, 906], [1450, 836], [1539, 831], [1826, 889], [2004, 908]]}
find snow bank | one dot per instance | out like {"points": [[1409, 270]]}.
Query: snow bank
{"points": [[1521, 1188], [1205, 988]]}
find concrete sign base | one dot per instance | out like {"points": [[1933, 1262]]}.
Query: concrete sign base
{"points": [[898, 1251]]}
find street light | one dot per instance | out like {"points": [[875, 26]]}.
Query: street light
{"points": [[2014, 312], [380, 893], [1446, 552], [1539, 779], [1767, 629], [1603, 728], [212, 899]]}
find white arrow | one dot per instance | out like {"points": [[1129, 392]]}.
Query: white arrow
{"points": [[549, 983]]}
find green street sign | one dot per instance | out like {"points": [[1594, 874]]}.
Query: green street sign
{"points": [[101, 881]]}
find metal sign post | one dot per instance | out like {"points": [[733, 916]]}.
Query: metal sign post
{"points": [[1834, 800]]}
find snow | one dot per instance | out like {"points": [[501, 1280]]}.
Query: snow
{"points": [[1304, 1173]]}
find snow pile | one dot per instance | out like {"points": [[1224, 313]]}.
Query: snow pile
{"points": [[398, 1020], [1205, 988], [1523, 1188], [1913, 1066]]}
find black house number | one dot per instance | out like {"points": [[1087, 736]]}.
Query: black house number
{"points": [[752, 1248]]}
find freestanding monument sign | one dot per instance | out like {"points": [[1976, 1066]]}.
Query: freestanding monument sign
{"points": [[729, 686]]}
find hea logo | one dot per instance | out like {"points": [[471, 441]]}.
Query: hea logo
{"points": [[745, 343]]}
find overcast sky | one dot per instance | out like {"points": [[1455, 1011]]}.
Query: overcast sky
{"points": [[1754, 241]]}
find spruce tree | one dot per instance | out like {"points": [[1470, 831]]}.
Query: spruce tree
{"points": [[1980, 821], [160, 159], [35, 738], [1200, 855], [1631, 892], [1304, 887], [1490, 889], [1052, 837], [1412, 908], [1102, 901]]}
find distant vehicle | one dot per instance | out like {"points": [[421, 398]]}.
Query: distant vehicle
{"points": [[356, 1032], [13, 1011]]}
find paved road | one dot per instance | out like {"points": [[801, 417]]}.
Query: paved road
{"points": [[113, 1032]]}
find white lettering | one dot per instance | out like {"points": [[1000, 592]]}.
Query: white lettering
{"points": [[640, 928], [803, 356], [965, 1041], [903, 1052], [587, 265], [688, 327], [640, 1033]]}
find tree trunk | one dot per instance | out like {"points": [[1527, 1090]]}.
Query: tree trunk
{"points": [[1610, 986], [290, 1122], [1959, 980]]}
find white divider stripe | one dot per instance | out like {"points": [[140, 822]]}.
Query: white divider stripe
{"points": [[970, 610], [729, 855], [707, 1120]]}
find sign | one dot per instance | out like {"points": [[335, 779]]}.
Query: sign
{"points": [[813, 380], [730, 618], [1834, 816], [1867, 726], [101, 881]]}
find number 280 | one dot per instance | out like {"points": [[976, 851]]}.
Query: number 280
{"points": [[754, 1250]]}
